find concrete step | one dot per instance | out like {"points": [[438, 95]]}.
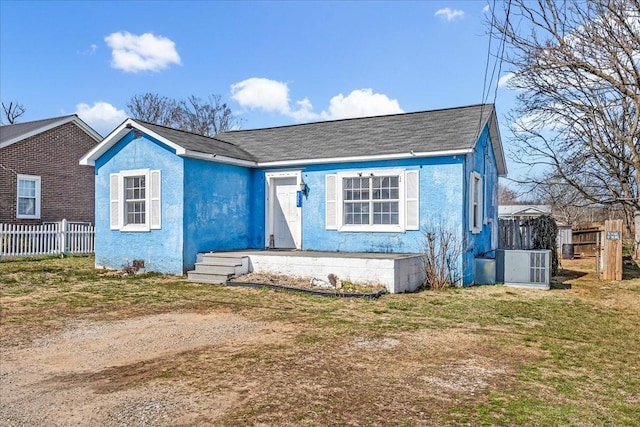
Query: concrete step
{"points": [[217, 269], [222, 258], [207, 278]]}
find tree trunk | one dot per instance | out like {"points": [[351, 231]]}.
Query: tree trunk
{"points": [[636, 242]]}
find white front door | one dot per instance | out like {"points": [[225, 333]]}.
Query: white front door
{"points": [[285, 214]]}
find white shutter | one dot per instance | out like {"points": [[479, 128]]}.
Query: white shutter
{"points": [[331, 202], [481, 202], [154, 201], [475, 200], [115, 189], [412, 200]]}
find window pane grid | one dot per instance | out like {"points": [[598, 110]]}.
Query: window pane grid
{"points": [[26, 188], [356, 188], [26, 206], [371, 200], [135, 201], [26, 197]]}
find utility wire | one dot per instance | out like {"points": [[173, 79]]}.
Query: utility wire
{"points": [[486, 70], [497, 63]]}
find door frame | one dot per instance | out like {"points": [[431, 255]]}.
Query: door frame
{"points": [[270, 179]]}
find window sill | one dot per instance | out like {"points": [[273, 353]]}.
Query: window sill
{"points": [[371, 229], [135, 229]]}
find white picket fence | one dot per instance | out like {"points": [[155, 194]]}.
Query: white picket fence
{"points": [[56, 238]]}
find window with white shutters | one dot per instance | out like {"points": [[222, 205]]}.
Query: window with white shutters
{"points": [[134, 197], [373, 200]]}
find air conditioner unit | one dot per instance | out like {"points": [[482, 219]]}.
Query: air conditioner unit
{"points": [[524, 268]]}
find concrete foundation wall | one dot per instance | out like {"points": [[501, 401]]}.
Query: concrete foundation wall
{"points": [[399, 274]]}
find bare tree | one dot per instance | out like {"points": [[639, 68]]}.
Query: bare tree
{"points": [[506, 195], [12, 111], [576, 67], [207, 117], [153, 108], [567, 203], [204, 117]]}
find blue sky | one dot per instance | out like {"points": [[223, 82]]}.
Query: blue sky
{"points": [[275, 63]]}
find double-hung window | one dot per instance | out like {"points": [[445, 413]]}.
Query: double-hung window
{"points": [[372, 200], [28, 191], [135, 200]]}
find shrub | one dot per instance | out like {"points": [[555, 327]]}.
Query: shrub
{"points": [[442, 252]]}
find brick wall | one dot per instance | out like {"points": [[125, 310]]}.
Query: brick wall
{"points": [[67, 187]]}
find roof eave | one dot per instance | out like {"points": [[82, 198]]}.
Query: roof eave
{"points": [[218, 158], [64, 120], [496, 142], [394, 156], [117, 134]]}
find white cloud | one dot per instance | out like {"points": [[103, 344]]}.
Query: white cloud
{"points": [[90, 51], [261, 93], [102, 116], [258, 93], [486, 9], [304, 111], [147, 52], [272, 96], [504, 80], [361, 103], [449, 14]]}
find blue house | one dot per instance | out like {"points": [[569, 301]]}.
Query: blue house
{"points": [[366, 185]]}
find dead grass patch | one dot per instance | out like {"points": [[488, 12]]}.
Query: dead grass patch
{"points": [[87, 348]]}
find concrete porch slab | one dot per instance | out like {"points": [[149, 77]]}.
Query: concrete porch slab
{"points": [[396, 272]]}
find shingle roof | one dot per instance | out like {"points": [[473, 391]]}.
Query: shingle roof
{"points": [[441, 132], [199, 143], [10, 134], [436, 130]]}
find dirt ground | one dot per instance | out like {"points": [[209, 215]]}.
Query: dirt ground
{"points": [[79, 348], [76, 376], [169, 370]]}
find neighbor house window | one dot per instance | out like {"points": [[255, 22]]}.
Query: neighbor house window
{"points": [[476, 208], [135, 200], [28, 204], [372, 200]]}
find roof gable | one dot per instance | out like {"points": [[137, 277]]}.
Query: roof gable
{"points": [[10, 134], [184, 143], [524, 210]]}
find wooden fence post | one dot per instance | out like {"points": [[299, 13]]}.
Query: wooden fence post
{"points": [[612, 250]]}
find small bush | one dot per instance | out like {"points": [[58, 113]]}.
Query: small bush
{"points": [[442, 252]]}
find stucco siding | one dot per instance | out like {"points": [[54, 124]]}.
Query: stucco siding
{"points": [[481, 244], [218, 212], [441, 200], [160, 249]]}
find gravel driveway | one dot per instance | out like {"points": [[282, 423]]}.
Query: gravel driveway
{"points": [[70, 378]]}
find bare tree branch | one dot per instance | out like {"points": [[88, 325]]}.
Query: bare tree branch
{"points": [[13, 111], [204, 117], [576, 67]]}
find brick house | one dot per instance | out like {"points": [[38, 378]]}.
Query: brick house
{"points": [[40, 177]]}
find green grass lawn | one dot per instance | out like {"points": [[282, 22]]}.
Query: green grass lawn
{"points": [[488, 355]]}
